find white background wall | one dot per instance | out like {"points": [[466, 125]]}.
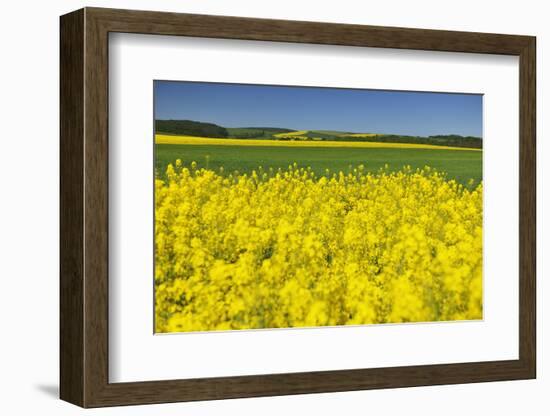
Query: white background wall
{"points": [[29, 85]]}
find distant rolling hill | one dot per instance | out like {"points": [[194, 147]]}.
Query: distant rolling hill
{"points": [[190, 128], [255, 132], [201, 129]]}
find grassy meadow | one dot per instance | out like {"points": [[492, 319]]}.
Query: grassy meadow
{"points": [[460, 164]]}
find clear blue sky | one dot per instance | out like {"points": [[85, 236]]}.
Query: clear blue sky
{"points": [[303, 108]]}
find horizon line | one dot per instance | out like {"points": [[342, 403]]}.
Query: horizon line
{"points": [[318, 130]]}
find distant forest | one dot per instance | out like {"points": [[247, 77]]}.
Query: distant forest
{"points": [[190, 128], [453, 140], [196, 128]]}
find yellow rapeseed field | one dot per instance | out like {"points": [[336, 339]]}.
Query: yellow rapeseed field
{"points": [[360, 135], [292, 133], [285, 248], [167, 139]]}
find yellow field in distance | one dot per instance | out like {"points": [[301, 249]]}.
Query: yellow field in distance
{"points": [[360, 135], [193, 140], [291, 134]]}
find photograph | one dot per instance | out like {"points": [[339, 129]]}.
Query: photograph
{"points": [[311, 206]]}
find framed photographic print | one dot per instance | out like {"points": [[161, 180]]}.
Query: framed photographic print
{"points": [[255, 207]]}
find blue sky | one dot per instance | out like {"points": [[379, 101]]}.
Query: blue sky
{"points": [[303, 108]]}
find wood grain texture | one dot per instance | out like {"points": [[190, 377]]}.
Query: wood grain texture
{"points": [[84, 207], [527, 207], [96, 209], [71, 185], [225, 27]]}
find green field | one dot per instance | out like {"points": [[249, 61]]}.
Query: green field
{"points": [[461, 165]]}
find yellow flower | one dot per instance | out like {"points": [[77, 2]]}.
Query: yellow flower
{"points": [[284, 248]]}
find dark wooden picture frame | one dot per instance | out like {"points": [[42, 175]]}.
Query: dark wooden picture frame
{"points": [[84, 207]]}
